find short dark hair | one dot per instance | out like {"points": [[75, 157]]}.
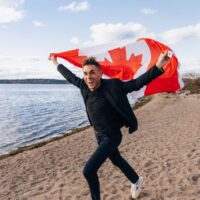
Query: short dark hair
{"points": [[91, 61]]}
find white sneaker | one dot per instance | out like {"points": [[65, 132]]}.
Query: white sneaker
{"points": [[135, 188]]}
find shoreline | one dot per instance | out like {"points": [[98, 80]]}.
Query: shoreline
{"points": [[142, 101], [42, 143]]}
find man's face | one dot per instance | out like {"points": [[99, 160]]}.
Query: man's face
{"points": [[92, 76]]}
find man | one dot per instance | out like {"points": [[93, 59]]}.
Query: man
{"points": [[108, 110]]}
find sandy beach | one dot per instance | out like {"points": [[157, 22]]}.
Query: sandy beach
{"points": [[165, 151]]}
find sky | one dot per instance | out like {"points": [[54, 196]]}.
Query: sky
{"points": [[31, 29]]}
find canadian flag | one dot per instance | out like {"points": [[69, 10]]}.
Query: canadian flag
{"points": [[128, 60]]}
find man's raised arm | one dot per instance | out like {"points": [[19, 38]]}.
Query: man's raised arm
{"points": [[147, 77], [71, 77]]}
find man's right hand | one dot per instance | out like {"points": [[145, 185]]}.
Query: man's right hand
{"points": [[53, 59]]}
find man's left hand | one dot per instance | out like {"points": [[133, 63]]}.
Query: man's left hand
{"points": [[163, 59]]}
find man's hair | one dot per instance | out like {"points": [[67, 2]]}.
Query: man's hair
{"points": [[91, 61]]}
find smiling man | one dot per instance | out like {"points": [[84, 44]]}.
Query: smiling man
{"points": [[108, 111], [92, 73]]}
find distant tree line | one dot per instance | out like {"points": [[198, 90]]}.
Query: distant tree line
{"points": [[33, 81]]}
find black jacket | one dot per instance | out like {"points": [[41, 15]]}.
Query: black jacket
{"points": [[116, 92]]}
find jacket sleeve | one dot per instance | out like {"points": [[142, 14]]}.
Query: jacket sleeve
{"points": [[144, 79], [71, 77]]}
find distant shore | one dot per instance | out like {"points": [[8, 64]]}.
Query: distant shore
{"points": [[189, 81], [33, 81]]}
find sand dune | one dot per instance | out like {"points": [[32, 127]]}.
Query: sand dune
{"points": [[165, 151]]}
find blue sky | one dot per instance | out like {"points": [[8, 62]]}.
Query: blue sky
{"points": [[31, 29]]}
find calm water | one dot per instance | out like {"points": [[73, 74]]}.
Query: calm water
{"points": [[31, 113]]}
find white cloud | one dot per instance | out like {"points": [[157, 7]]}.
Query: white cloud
{"points": [[9, 11], [148, 11], [4, 58], [12, 3], [8, 14], [13, 67], [75, 7], [75, 40], [103, 33], [38, 23], [176, 35]]}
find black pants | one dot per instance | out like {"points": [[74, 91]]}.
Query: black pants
{"points": [[107, 148]]}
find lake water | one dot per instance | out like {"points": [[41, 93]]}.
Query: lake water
{"points": [[30, 113]]}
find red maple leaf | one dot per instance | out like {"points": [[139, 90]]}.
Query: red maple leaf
{"points": [[120, 67]]}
